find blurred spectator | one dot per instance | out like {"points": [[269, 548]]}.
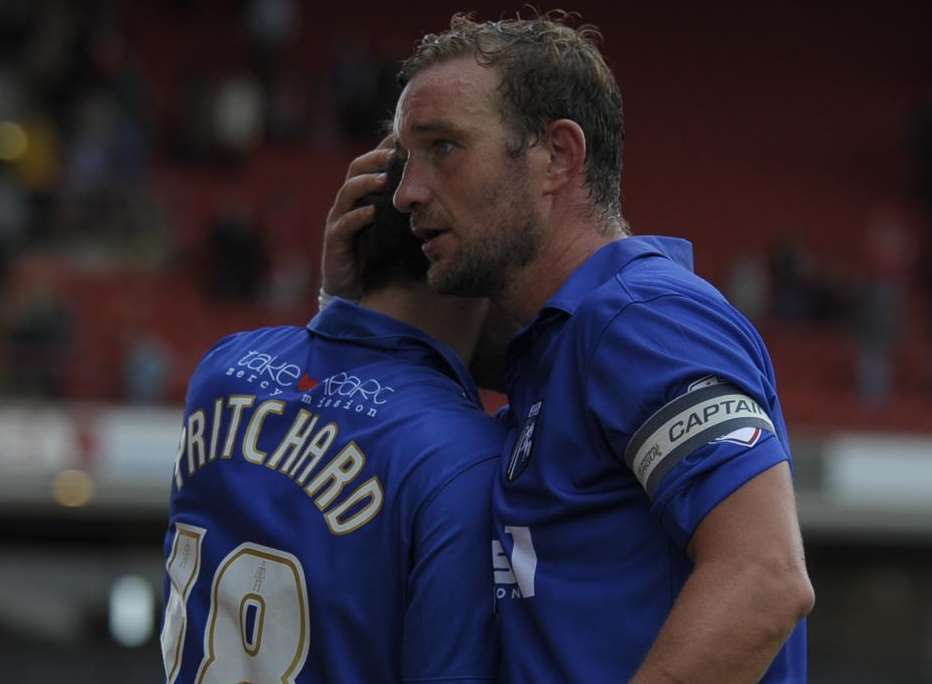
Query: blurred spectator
{"points": [[53, 57], [12, 93], [238, 117], [105, 149], [147, 365], [191, 134], [803, 290], [14, 220], [880, 306], [220, 121], [363, 89], [271, 25], [789, 269], [748, 285], [921, 144], [288, 114], [289, 287], [38, 334], [38, 171], [237, 259], [15, 19]]}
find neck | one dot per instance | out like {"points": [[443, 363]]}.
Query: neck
{"points": [[565, 246], [456, 321]]}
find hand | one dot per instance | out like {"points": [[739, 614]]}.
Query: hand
{"points": [[339, 268]]}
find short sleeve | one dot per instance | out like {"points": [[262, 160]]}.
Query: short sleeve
{"points": [[201, 383], [681, 389], [450, 633]]}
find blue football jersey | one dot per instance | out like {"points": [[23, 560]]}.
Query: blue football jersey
{"points": [[640, 399], [331, 510]]}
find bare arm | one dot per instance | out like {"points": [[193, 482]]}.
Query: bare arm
{"points": [[748, 590]]}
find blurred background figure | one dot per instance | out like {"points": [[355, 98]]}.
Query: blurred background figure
{"points": [[165, 170], [237, 262], [881, 300], [920, 143]]}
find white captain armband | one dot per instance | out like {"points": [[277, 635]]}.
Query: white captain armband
{"points": [[711, 410]]}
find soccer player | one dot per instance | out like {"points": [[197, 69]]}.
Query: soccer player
{"points": [[330, 505], [644, 510]]}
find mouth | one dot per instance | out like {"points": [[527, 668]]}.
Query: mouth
{"points": [[427, 236]]}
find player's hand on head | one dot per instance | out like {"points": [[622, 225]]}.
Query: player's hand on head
{"points": [[340, 271]]}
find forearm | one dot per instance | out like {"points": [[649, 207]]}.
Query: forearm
{"points": [[727, 624]]}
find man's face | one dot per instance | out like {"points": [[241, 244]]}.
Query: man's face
{"points": [[470, 201]]}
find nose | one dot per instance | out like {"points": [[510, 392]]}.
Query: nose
{"points": [[412, 190]]}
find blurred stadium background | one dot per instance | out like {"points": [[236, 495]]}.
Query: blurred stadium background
{"points": [[165, 170]]}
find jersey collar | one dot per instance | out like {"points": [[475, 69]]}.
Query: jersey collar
{"points": [[345, 321], [611, 259], [603, 265]]}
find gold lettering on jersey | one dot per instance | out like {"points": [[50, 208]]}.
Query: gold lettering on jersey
{"points": [[369, 492], [215, 430], [251, 450], [294, 440], [338, 473], [317, 448], [237, 402], [182, 448], [195, 441], [331, 478]]}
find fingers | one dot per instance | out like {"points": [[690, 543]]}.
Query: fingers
{"points": [[372, 161], [339, 275], [346, 218], [355, 189], [388, 142], [341, 230]]}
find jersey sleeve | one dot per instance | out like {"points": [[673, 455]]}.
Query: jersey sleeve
{"points": [[450, 633], [682, 391], [201, 381]]}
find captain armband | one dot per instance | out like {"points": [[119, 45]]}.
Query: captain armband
{"points": [[710, 411]]}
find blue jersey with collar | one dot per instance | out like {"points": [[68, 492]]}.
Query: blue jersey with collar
{"points": [[640, 399], [330, 510]]}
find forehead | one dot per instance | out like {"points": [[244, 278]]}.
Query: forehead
{"points": [[458, 94]]}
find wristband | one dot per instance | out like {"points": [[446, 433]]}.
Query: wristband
{"points": [[324, 298]]}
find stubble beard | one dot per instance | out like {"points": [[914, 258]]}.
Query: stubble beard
{"points": [[486, 263]]}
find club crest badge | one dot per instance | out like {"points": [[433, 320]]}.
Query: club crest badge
{"points": [[521, 454]]}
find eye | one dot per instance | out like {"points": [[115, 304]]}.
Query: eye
{"points": [[442, 148]]}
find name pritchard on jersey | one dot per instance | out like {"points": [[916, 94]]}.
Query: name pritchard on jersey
{"points": [[302, 455]]}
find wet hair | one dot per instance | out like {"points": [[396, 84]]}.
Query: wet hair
{"points": [[388, 252], [549, 71]]}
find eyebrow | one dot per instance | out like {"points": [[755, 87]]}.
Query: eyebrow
{"points": [[432, 127], [438, 126]]}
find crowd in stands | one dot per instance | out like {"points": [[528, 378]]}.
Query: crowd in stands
{"points": [[82, 139], [84, 135]]}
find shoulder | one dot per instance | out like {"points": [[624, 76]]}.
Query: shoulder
{"points": [[240, 352], [447, 439], [450, 424], [657, 306], [662, 330], [653, 283]]}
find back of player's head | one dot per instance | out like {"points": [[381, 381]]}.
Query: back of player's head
{"points": [[549, 70], [388, 251]]}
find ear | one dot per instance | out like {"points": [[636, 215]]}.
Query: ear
{"points": [[566, 144]]}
